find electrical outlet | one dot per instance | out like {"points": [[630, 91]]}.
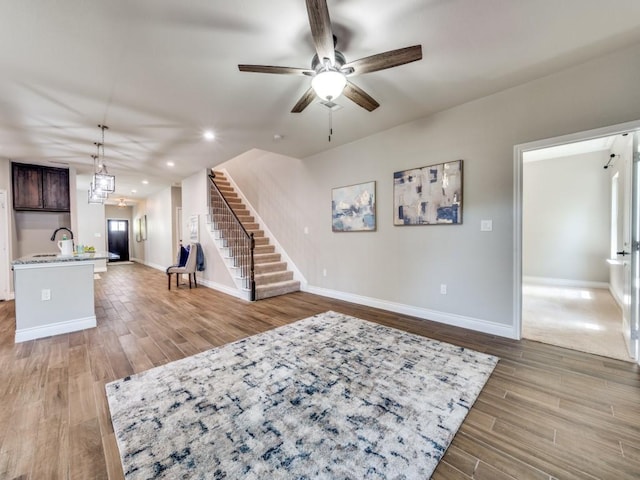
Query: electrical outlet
{"points": [[45, 294], [306, 230], [324, 272], [443, 288], [486, 225]]}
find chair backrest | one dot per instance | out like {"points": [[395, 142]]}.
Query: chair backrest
{"points": [[190, 266]]}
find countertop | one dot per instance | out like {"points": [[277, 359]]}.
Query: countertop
{"points": [[57, 258]]}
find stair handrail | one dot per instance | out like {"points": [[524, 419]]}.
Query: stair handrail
{"points": [[249, 237]]}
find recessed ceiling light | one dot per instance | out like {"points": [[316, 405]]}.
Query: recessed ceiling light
{"points": [[170, 164], [208, 135], [134, 191], [145, 182]]}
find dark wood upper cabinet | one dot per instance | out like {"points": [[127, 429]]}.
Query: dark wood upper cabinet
{"points": [[55, 189], [40, 188]]}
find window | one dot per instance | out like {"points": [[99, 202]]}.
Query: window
{"points": [[118, 226]]}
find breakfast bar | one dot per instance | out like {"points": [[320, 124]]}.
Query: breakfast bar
{"points": [[54, 293]]}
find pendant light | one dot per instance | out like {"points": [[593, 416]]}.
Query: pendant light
{"points": [[96, 195], [101, 178]]}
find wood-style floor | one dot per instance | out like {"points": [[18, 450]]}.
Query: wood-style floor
{"points": [[545, 413]]}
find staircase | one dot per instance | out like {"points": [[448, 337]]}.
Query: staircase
{"points": [[270, 273]]}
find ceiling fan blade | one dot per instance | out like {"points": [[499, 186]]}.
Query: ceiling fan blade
{"points": [[272, 69], [381, 61], [321, 29], [304, 101], [359, 96]]}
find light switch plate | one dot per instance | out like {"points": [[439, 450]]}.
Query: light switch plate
{"points": [[486, 225]]}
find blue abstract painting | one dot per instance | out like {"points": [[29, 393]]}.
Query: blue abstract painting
{"points": [[353, 208], [429, 195]]}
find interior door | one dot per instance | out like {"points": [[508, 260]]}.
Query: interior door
{"points": [[118, 238], [633, 279]]}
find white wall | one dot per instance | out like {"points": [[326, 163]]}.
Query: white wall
{"points": [[176, 234], [137, 246], [6, 184], [158, 248], [91, 223], [34, 230], [402, 267], [567, 218]]}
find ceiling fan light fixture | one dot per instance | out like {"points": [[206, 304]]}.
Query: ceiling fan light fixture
{"points": [[329, 84]]}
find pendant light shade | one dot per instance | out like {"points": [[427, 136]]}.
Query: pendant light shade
{"points": [[101, 178], [95, 196]]}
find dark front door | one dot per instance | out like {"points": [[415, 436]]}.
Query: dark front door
{"points": [[118, 238]]}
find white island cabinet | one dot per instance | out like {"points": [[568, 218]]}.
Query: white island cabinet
{"points": [[54, 294]]}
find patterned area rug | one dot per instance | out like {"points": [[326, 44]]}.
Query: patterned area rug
{"points": [[330, 396]]}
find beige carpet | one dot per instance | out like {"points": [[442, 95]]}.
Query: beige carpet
{"points": [[584, 319]]}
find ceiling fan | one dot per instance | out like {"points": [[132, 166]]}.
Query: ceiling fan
{"points": [[329, 67]]}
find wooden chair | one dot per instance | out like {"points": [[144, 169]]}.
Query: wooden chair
{"points": [[189, 268]]}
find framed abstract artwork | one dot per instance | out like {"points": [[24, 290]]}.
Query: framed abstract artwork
{"points": [[353, 208], [143, 227], [194, 234], [428, 195]]}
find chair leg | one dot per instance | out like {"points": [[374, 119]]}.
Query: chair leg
{"points": [[195, 282], [169, 280], [177, 280], [189, 275]]}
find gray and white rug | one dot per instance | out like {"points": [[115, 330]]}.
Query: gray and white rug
{"points": [[330, 396]]}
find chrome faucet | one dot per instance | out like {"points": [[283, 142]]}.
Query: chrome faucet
{"points": [[53, 237]]}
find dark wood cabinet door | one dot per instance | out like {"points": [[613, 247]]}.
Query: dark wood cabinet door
{"points": [[27, 187], [55, 189], [40, 188]]}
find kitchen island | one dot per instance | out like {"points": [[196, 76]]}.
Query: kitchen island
{"points": [[54, 293]]}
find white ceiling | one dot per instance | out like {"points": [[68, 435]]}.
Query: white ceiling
{"points": [[601, 144], [160, 72]]}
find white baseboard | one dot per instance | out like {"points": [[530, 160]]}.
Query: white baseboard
{"points": [[234, 292], [25, 334], [616, 297], [162, 268], [470, 323], [564, 282]]}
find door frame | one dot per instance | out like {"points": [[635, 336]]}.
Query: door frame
{"points": [[5, 262], [120, 219], [518, 154]]}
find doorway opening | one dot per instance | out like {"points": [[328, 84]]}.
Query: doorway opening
{"points": [[575, 224], [118, 239]]}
